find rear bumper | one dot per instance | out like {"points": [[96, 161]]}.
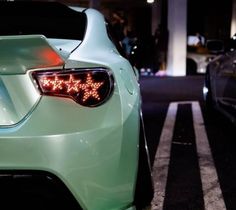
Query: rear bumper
{"points": [[96, 159], [36, 190], [98, 166]]}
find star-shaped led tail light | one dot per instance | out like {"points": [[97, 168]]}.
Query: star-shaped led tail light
{"points": [[88, 87]]}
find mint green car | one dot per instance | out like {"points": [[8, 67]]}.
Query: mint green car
{"points": [[71, 132]]}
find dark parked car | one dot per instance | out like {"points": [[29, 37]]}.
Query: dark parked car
{"points": [[220, 84]]}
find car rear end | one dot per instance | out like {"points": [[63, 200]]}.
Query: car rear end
{"points": [[69, 104]]}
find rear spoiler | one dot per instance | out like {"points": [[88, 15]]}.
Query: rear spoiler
{"points": [[23, 52]]}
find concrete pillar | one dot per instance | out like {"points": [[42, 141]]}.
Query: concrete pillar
{"points": [[177, 26], [233, 20], [94, 4]]}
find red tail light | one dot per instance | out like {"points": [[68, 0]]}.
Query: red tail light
{"points": [[88, 87]]}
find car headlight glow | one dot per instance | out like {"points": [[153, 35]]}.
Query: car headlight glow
{"points": [[87, 87]]}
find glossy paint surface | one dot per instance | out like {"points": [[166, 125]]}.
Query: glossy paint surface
{"points": [[94, 151]]}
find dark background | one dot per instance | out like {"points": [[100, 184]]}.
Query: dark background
{"points": [[212, 18]]}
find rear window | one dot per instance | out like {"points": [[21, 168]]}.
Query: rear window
{"points": [[51, 19]]}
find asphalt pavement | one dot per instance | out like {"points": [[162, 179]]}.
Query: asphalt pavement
{"points": [[157, 93], [192, 150], [167, 89]]}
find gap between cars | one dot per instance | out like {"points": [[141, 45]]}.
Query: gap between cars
{"points": [[212, 194]]}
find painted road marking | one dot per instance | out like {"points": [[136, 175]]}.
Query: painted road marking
{"points": [[162, 158], [213, 198]]}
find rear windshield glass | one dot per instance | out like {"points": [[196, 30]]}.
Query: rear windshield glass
{"points": [[51, 19]]}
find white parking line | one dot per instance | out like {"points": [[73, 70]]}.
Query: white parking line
{"points": [[213, 198], [162, 158]]}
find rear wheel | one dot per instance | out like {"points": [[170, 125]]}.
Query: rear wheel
{"points": [[191, 67], [144, 185]]}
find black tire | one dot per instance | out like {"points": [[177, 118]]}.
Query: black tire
{"points": [[191, 67], [144, 184]]}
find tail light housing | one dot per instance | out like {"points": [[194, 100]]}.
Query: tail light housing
{"points": [[87, 87]]}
